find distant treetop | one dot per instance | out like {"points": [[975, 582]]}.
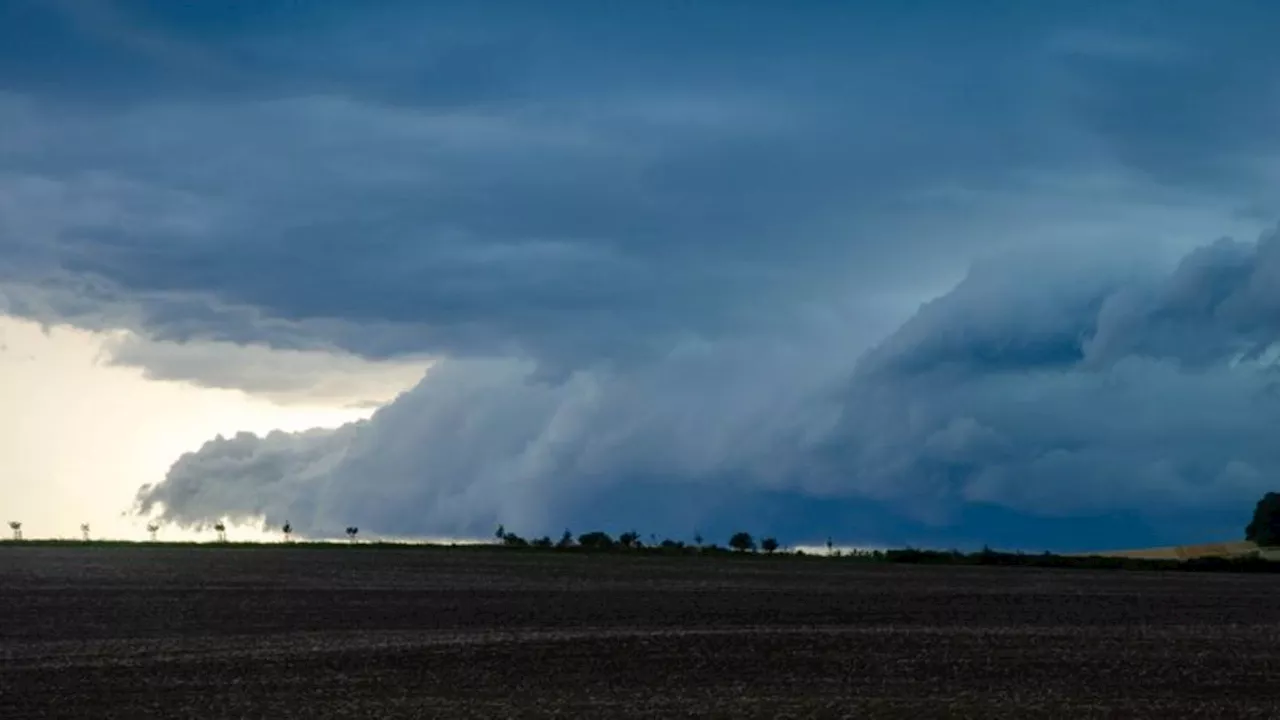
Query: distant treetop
{"points": [[1264, 528]]}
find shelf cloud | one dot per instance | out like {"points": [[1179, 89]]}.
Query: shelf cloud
{"points": [[938, 276]]}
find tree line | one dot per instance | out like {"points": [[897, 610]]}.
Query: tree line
{"points": [[742, 542], [1263, 530]]}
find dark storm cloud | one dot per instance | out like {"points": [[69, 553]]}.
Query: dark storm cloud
{"points": [[485, 230], [1184, 96], [1062, 397], [1022, 390], [649, 245], [603, 201]]}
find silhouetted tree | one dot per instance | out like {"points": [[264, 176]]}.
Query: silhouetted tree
{"points": [[288, 531], [596, 540], [16, 527], [697, 539], [511, 539], [769, 545], [629, 539], [742, 542], [830, 546], [500, 533], [221, 528], [153, 528], [1264, 528], [566, 540], [84, 531], [352, 532], [543, 542]]}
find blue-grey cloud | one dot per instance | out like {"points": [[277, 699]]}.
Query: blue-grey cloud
{"points": [[1022, 390], [652, 244], [602, 202]]}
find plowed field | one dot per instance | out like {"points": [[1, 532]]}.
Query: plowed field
{"points": [[282, 633]]}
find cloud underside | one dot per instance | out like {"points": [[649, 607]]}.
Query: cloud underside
{"points": [[1094, 397], [547, 186]]}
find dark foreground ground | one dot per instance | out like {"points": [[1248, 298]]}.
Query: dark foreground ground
{"points": [[285, 633]]}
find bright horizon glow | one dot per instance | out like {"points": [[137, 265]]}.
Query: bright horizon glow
{"points": [[78, 436]]}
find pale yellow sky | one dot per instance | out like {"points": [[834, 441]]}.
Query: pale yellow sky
{"points": [[78, 436]]}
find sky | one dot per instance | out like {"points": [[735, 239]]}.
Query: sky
{"points": [[893, 273]]}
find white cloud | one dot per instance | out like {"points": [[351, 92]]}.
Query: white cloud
{"points": [[78, 437], [283, 376]]}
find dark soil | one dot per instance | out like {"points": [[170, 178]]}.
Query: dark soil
{"points": [[143, 632]]}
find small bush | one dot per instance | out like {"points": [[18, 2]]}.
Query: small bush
{"points": [[596, 540], [742, 542]]}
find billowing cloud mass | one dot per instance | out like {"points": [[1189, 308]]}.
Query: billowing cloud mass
{"points": [[935, 275], [1050, 396]]}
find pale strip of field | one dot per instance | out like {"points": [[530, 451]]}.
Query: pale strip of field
{"points": [[1182, 552]]}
